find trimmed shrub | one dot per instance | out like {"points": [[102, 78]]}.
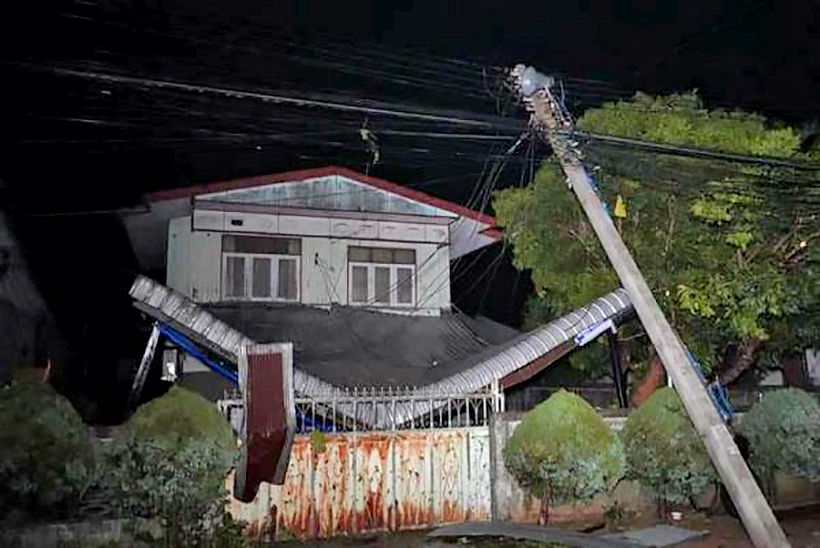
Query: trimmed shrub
{"points": [[563, 451], [180, 416], [783, 430], [169, 462], [664, 451], [46, 454]]}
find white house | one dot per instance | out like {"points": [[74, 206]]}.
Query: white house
{"points": [[351, 269], [314, 237]]}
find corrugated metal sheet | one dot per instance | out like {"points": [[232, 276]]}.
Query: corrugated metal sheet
{"points": [[387, 481], [490, 365]]}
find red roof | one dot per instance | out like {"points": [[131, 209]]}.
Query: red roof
{"points": [[305, 174]]}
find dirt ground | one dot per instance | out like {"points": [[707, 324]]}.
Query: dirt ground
{"points": [[801, 526]]}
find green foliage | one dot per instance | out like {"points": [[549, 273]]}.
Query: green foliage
{"points": [[726, 261], [682, 119], [318, 441], [664, 451], [46, 455], [783, 430], [230, 533], [564, 451], [179, 416], [169, 462], [181, 485]]}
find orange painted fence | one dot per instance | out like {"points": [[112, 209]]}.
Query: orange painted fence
{"points": [[376, 481]]}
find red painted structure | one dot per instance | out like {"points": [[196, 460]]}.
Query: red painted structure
{"points": [[266, 376]]}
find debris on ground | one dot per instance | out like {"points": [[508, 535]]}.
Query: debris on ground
{"points": [[659, 536], [531, 532]]}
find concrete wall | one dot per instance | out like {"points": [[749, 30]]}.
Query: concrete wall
{"points": [[194, 260], [813, 366], [391, 481]]}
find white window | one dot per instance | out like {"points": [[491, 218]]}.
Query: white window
{"points": [[260, 269], [380, 276]]}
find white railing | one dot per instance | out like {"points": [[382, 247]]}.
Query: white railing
{"points": [[361, 409]]}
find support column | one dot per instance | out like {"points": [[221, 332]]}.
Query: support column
{"points": [[617, 373]]}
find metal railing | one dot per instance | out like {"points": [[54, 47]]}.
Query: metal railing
{"points": [[363, 409]]}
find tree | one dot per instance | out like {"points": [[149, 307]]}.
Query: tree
{"points": [[664, 451], [563, 451], [730, 251]]}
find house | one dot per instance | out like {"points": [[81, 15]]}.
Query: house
{"points": [[308, 237], [353, 270]]}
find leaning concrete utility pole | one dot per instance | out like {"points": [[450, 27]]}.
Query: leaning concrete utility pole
{"points": [[549, 116]]}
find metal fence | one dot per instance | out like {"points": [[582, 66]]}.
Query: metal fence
{"points": [[364, 409]]}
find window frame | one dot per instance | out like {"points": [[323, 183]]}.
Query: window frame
{"points": [[248, 282], [370, 268]]}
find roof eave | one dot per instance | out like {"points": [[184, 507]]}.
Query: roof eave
{"points": [[304, 174]]}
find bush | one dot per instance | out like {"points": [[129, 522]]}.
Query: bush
{"points": [[783, 430], [169, 462], [46, 454], [180, 416], [664, 451], [564, 451]]}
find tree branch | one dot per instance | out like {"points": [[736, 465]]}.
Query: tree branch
{"points": [[741, 359], [778, 246], [804, 245]]}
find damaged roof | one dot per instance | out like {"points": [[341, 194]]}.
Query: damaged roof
{"points": [[473, 364], [348, 346]]}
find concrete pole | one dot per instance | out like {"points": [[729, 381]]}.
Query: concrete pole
{"points": [[752, 506]]}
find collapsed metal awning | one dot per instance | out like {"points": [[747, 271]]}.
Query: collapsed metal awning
{"points": [[508, 364], [264, 374]]}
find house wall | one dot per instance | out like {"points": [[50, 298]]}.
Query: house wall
{"points": [[194, 265]]}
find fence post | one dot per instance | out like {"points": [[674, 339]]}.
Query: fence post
{"points": [[354, 502], [492, 426], [394, 438]]}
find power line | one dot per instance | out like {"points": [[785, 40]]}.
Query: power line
{"points": [[267, 97], [448, 74], [387, 109]]}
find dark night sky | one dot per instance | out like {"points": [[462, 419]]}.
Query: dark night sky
{"points": [[72, 144], [751, 54]]}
